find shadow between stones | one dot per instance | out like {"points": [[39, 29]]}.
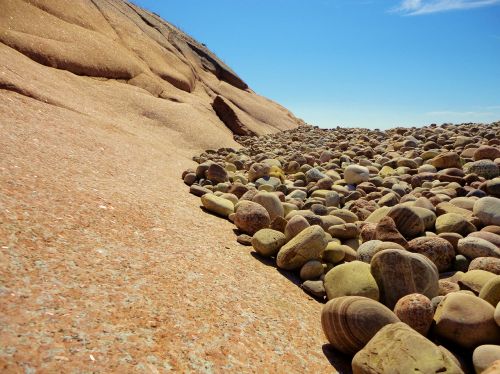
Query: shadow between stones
{"points": [[339, 361], [292, 277]]}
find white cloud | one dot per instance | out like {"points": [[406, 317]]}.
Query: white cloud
{"points": [[419, 7]]}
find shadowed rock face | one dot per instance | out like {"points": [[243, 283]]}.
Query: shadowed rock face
{"points": [[112, 59]]}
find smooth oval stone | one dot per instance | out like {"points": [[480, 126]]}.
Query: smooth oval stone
{"points": [[216, 173], [311, 270], [244, 239], [436, 249], [268, 242], [345, 215], [314, 288], [251, 217], [332, 198], [356, 174], [486, 152], [400, 273], [351, 279], [491, 291], [294, 226], [344, 231], [446, 287], [377, 215], [399, 349], [367, 250], [466, 320], [305, 246], [199, 190], [416, 311], [217, 205], [408, 221], [349, 322], [487, 209], [489, 236], [446, 160], [474, 280], [271, 202], [333, 253], [484, 356], [472, 247], [452, 238], [490, 264], [452, 222], [484, 168]]}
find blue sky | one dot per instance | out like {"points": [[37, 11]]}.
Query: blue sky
{"points": [[367, 63]]}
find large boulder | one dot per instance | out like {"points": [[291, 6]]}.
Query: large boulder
{"points": [[398, 349], [400, 273], [349, 322], [466, 320]]}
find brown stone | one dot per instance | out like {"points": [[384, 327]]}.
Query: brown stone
{"points": [[399, 273], [350, 322]]}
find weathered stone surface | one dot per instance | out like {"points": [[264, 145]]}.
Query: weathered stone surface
{"points": [[484, 356], [387, 231], [356, 174], [490, 264], [311, 270], [436, 249], [398, 349], [307, 245], [350, 322], [333, 253], [466, 320], [416, 311], [344, 231], [446, 160], [452, 222], [267, 242], [484, 168], [216, 173], [251, 217], [490, 291], [408, 221], [217, 205], [314, 288], [271, 202], [472, 247], [399, 273], [351, 279], [474, 280], [487, 210], [294, 226]]}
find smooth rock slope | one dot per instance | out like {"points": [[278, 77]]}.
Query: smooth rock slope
{"points": [[105, 264]]}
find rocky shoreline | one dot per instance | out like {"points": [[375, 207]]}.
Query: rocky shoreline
{"points": [[398, 231]]}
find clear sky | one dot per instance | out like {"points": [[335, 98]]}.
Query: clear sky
{"points": [[368, 63]]}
